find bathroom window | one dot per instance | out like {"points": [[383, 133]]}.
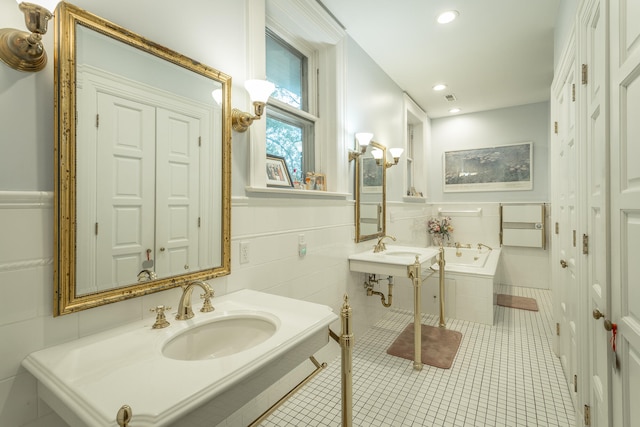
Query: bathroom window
{"points": [[290, 115], [410, 164]]}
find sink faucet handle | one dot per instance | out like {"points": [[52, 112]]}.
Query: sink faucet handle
{"points": [[206, 306], [161, 320]]}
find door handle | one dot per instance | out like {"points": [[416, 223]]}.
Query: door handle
{"points": [[563, 263], [597, 314]]}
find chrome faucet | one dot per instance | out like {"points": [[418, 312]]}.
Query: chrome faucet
{"points": [[480, 245], [184, 308], [380, 246]]}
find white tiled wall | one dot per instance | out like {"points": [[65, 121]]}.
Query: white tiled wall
{"points": [[528, 267], [270, 226]]}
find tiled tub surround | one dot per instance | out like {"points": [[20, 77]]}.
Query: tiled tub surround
{"points": [[470, 286], [87, 380]]}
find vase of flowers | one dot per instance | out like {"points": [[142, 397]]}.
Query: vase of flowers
{"points": [[439, 228]]}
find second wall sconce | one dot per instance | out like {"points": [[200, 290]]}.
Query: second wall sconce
{"points": [[259, 92], [23, 50], [395, 153], [363, 139]]}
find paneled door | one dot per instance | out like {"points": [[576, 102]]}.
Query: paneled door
{"points": [[625, 209], [594, 95], [177, 193], [125, 165], [565, 268]]}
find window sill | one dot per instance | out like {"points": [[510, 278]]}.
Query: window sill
{"points": [[292, 192]]}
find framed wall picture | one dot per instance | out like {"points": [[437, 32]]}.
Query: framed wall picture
{"points": [[278, 172], [499, 168]]}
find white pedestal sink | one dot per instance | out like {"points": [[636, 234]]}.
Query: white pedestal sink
{"points": [[186, 371], [393, 261], [402, 261]]}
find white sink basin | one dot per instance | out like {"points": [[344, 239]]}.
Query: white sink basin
{"points": [[403, 253], [222, 337], [393, 261]]}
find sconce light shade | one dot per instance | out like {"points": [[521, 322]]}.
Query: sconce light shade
{"points": [[259, 91], [396, 152], [363, 139], [50, 5], [377, 154], [22, 50]]}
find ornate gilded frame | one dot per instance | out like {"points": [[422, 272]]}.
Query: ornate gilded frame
{"points": [[359, 184], [65, 299]]}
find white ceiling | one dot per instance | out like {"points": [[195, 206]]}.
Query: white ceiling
{"points": [[498, 53]]}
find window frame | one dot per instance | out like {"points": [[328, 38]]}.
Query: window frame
{"points": [[305, 117], [305, 24]]}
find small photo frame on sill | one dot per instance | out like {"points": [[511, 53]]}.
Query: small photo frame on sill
{"points": [[316, 181], [278, 172]]}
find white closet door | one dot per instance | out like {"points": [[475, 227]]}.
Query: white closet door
{"points": [[594, 95], [565, 270], [625, 208], [177, 189], [126, 203]]}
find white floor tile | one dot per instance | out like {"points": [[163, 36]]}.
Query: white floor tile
{"points": [[503, 375]]}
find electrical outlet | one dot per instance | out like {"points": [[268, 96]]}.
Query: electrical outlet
{"points": [[244, 252], [302, 246]]}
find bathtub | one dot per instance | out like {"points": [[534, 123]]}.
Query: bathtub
{"points": [[483, 262], [471, 281]]}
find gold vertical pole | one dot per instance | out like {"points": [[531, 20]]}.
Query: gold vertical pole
{"points": [[414, 274], [346, 344], [441, 264]]}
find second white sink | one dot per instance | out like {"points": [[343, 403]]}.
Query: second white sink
{"points": [[221, 337], [393, 261]]}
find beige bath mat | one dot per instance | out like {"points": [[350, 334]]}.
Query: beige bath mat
{"points": [[439, 345], [513, 301]]}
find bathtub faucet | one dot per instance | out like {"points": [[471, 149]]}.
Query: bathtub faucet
{"points": [[380, 246], [184, 308], [458, 252], [480, 245]]}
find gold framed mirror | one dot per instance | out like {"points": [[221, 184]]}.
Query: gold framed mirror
{"points": [[371, 194], [142, 192]]}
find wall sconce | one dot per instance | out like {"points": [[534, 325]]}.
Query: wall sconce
{"points": [[363, 140], [259, 92], [24, 51], [395, 153]]}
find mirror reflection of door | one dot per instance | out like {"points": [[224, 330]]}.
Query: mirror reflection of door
{"points": [[370, 195], [146, 193], [142, 175]]}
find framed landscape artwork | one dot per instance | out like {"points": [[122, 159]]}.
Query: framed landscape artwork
{"points": [[371, 178], [500, 168]]}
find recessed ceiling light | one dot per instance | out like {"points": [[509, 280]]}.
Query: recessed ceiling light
{"points": [[448, 16], [454, 110], [439, 87]]}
